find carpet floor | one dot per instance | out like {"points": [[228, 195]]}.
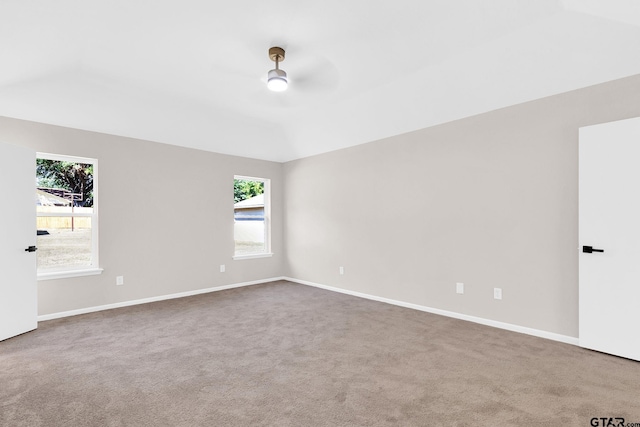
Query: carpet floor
{"points": [[283, 354]]}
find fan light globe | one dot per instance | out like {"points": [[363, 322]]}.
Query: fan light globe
{"points": [[277, 80]]}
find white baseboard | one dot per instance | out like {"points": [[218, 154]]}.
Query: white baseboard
{"points": [[151, 299], [501, 325]]}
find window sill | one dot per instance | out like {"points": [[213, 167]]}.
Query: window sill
{"points": [[51, 275], [251, 256]]}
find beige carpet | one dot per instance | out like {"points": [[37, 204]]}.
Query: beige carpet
{"points": [[283, 354]]}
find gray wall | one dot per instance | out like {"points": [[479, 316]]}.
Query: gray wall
{"points": [[490, 201], [166, 217]]}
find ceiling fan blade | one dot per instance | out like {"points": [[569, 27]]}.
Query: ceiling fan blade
{"points": [[314, 74]]}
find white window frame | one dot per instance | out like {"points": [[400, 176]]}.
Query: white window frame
{"points": [[267, 220], [85, 270]]}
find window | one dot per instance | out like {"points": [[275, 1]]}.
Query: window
{"points": [[251, 213], [67, 216]]}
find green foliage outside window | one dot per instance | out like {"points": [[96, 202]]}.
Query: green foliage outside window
{"points": [[244, 189], [70, 176]]}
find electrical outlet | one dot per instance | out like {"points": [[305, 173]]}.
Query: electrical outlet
{"points": [[222, 268], [497, 293], [120, 280], [341, 269], [460, 288]]}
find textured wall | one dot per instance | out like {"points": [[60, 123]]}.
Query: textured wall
{"points": [[143, 186], [490, 201]]}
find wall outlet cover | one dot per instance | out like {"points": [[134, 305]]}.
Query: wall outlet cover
{"points": [[497, 293], [460, 288]]}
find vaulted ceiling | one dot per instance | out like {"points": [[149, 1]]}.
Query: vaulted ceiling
{"points": [[193, 72]]}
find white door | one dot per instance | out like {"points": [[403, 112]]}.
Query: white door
{"points": [[610, 221], [18, 285]]}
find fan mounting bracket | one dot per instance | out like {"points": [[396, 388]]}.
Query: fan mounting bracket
{"points": [[276, 54]]}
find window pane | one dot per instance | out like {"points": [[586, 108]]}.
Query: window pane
{"points": [[65, 189], [64, 183], [249, 236], [249, 215], [63, 242]]}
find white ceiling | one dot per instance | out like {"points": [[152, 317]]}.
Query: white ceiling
{"points": [[192, 72]]}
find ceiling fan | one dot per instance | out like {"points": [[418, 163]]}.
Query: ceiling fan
{"points": [[308, 73]]}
